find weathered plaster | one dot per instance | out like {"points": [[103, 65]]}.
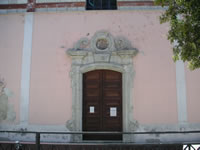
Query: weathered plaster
{"points": [[31, 137], [144, 138], [89, 55], [7, 112], [3, 106]]}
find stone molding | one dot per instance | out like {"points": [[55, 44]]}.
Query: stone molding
{"points": [[26, 69], [103, 51], [181, 92]]}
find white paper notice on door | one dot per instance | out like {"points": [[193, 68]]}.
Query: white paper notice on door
{"points": [[113, 111], [91, 109]]}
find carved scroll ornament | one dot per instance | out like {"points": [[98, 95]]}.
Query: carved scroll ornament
{"points": [[103, 45]]}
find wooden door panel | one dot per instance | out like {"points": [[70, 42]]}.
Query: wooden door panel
{"points": [[111, 75], [92, 85], [93, 75], [114, 93], [102, 90], [111, 85], [112, 125], [93, 122], [92, 93], [111, 102]]}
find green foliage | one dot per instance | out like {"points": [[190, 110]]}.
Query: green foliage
{"points": [[184, 19]]}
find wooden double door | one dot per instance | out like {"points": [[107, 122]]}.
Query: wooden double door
{"points": [[102, 104]]}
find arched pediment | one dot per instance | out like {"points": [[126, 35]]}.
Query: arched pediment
{"points": [[102, 47]]}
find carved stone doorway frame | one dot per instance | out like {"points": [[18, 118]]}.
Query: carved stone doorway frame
{"points": [[108, 53]]}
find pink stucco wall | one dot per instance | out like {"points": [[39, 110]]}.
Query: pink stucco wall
{"points": [[11, 45], [154, 85], [50, 92], [154, 90], [155, 78], [193, 94]]}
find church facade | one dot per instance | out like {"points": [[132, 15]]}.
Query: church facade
{"points": [[65, 67]]}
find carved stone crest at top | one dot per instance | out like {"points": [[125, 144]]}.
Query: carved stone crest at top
{"points": [[103, 42], [104, 48]]}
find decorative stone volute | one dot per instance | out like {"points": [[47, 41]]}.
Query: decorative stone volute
{"points": [[102, 47]]}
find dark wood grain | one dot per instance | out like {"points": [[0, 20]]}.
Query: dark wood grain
{"points": [[102, 89]]}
